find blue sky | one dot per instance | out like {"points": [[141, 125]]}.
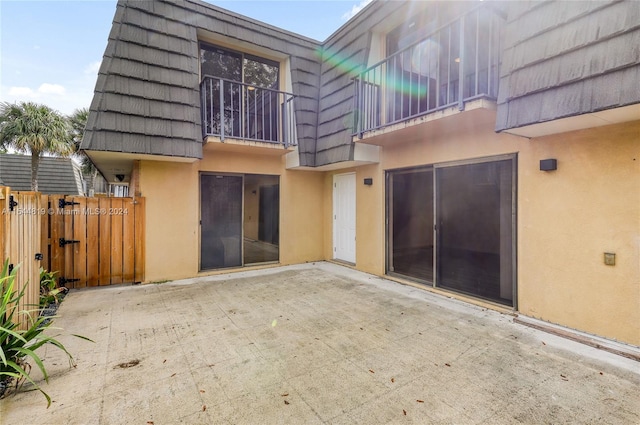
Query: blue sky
{"points": [[50, 51]]}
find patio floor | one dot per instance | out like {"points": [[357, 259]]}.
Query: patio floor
{"points": [[316, 343]]}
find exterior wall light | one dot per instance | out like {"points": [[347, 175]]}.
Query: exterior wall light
{"points": [[548, 164]]}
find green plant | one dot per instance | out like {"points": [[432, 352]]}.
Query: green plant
{"points": [[49, 292], [19, 344]]}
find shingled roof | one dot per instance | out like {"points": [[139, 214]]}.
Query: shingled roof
{"points": [[59, 176]]}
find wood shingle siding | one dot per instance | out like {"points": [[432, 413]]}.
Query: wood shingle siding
{"points": [[345, 55], [567, 58], [147, 97], [340, 64]]}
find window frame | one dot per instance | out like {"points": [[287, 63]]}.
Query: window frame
{"points": [[243, 56]]}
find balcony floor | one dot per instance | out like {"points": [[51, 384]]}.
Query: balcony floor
{"points": [[214, 143], [476, 112]]}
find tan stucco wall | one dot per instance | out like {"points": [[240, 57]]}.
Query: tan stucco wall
{"points": [[173, 207], [171, 246], [567, 218]]}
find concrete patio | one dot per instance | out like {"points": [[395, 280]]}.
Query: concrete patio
{"points": [[316, 343]]}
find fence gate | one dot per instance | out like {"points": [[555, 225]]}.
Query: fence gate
{"points": [[20, 226], [94, 241]]}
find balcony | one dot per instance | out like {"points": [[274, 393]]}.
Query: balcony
{"points": [[246, 113], [456, 64]]}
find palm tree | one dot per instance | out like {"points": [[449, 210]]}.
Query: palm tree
{"points": [[36, 129], [78, 121]]}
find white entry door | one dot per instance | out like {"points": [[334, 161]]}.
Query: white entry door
{"points": [[344, 217]]}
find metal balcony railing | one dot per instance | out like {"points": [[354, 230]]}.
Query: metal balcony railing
{"points": [[231, 109], [456, 63]]}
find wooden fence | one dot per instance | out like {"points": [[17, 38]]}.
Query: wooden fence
{"points": [[20, 242], [94, 241], [88, 241]]}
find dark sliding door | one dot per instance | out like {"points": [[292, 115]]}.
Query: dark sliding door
{"points": [[471, 210], [269, 214], [221, 221], [411, 223], [474, 229]]}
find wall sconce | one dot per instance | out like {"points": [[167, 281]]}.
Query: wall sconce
{"points": [[120, 177], [550, 164], [368, 181]]}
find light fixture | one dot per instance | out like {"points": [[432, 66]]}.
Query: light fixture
{"points": [[368, 181], [550, 164], [457, 60], [120, 177]]}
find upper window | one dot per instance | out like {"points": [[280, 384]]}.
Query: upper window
{"points": [[238, 67], [409, 33]]}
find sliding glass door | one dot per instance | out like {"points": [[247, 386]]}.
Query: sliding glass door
{"points": [[239, 220], [221, 221], [474, 229], [411, 223], [452, 226]]}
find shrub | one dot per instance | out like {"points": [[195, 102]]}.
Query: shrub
{"points": [[49, 291], [18, 345]]}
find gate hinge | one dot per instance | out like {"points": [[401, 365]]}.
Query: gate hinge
{"points": [[63, 280], [62, 242], [62, 203], [12, 203]]}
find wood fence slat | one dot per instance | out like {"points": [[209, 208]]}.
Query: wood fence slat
{"points": [[45, 226], [25, 234], [128, 239], [56, 261], [139, 223], [93, 223], [116, 240], [15, 255], [33, 231], [79, 248], [104, 240], [67, 213], [4, 223]]}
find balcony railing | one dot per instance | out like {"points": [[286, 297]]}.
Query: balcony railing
{"points": [[457, 63], [231, 109]]}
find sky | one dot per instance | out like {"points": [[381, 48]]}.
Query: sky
{"points": [[50, 51]]}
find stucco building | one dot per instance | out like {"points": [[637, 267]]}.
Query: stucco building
{"points": [[485, 150]]}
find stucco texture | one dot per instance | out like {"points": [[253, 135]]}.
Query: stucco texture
{"points": [[173, 210], [569, 218], [566, 219]]}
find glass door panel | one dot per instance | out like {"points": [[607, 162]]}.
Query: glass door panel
{"points": [[411, 224], [474, 229], [221, 221]]}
